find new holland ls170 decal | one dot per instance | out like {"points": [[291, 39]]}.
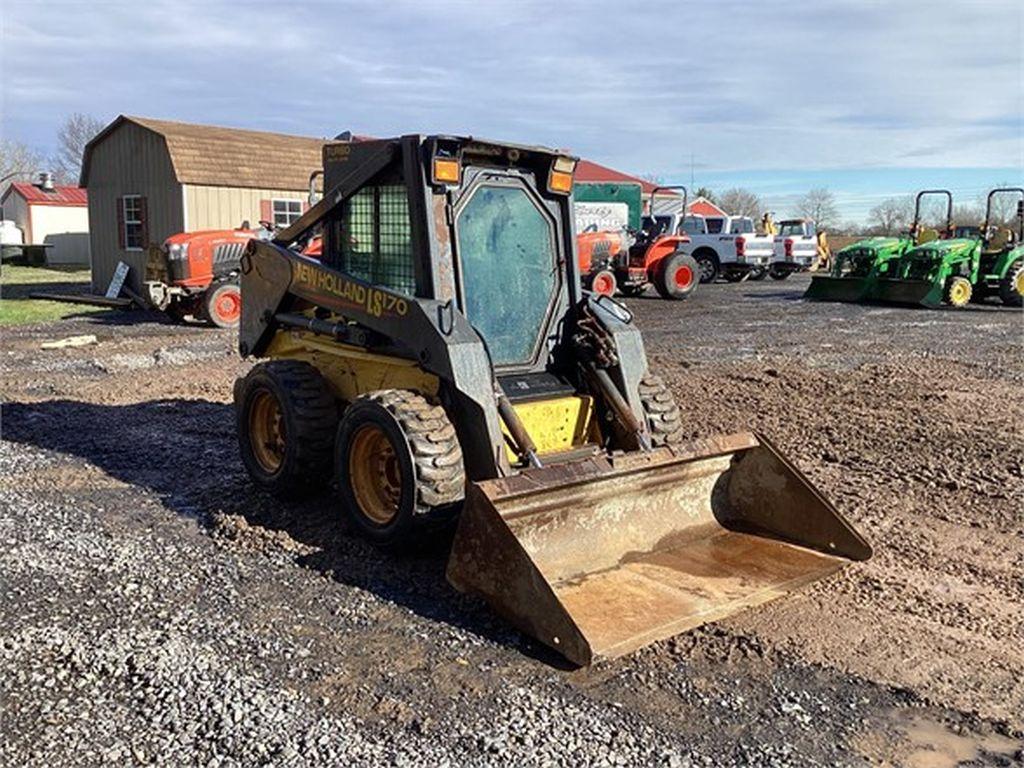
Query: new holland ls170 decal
{"points": [[334, 288]]}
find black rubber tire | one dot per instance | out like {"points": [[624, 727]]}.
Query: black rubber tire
{"points": [[1007, 291], [209, 304], [735, 276], [778, 274], [665, 282], [951, 283], [758, 273], [309, 416], [433, 476], [707, 261], [664, 419]]}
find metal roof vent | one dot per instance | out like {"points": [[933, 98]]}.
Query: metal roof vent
{"points": [[45, 182]]}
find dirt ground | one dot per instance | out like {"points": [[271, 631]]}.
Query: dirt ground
{"points": [[143, 576]]}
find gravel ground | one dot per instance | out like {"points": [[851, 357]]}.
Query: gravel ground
{"points": [[157, 610]]}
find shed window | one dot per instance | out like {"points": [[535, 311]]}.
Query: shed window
{"points": [[286, 212], [133, 222]]}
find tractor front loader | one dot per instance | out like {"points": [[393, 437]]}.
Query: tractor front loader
{"points": [[441, 363], [858, 268]]}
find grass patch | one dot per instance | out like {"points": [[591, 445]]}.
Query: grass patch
{"points": [[17, 282]]}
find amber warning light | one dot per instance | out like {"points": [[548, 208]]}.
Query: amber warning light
{"points": [[446, 170], [560, 178]]}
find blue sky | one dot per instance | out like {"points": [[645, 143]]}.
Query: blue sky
{"points": [[869, 99]]}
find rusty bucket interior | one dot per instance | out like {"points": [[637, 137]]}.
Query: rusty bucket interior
{"points": [[600, 557]]}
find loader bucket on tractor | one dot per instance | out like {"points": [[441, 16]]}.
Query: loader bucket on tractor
{"points": [[830, 288], [600, 557]]}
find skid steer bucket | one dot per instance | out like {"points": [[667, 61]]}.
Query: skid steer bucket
{"points": [[599, 557]]}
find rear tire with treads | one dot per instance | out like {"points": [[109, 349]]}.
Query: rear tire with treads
{"points": [[399, 465], [286, 417], [664, 419], [1011, 287], [678, 276]]}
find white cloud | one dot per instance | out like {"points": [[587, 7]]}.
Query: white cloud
{"points": [[739, 85]]}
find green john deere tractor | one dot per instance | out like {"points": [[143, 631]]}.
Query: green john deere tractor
{"points": [[958, 270], [857, 268]]}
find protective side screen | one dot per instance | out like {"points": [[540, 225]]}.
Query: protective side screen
{"points": [[373, 237]]}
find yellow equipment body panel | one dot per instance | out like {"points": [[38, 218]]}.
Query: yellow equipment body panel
{"points": [[556, 424], [349, 370]]}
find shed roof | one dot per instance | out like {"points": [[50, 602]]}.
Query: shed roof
{"points": [[704, 207], [231, 157], [60, 195], [588, 170]]}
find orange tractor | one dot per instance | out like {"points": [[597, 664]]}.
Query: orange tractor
{"points": [[628, 261], [196, 274]]}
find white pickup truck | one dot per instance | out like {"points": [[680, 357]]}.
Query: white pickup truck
{"points": [[727, 246], [796, 248]]}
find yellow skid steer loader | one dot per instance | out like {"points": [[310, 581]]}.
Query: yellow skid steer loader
{"points": [[440, 362]]}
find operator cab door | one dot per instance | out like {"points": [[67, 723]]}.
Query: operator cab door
{"points": [[510, 272]]}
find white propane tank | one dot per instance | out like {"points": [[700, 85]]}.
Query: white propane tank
{"points": [[10, 233]]}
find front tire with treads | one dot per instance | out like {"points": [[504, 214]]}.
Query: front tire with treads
{"points": [[286, 417], [398, 464], [664, 419]]}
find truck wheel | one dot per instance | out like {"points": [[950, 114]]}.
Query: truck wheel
{"points": [[707, 261], [664, 420], [398, 463], [286, 417], [677, 276], [778, 274], [222, 305], [1011, 287], [758, 273], [603, 282], [958, 291]]}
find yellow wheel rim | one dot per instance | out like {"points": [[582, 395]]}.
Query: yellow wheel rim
{"points": [[959, 293], [1018, 283], [375, 474], [266, 431]]}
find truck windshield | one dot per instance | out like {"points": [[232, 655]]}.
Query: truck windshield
{"points": [[508, 268], [795, 228], [693, 225], [741, 227]]}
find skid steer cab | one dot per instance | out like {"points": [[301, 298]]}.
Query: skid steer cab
{"points": [[440, 364]]}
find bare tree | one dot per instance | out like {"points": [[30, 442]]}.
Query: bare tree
{"points": [[820, 205], [740, 202], [1004, 205], [72, 137], [19, 159], [892, 215], [968, 215], [653, 178]]}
